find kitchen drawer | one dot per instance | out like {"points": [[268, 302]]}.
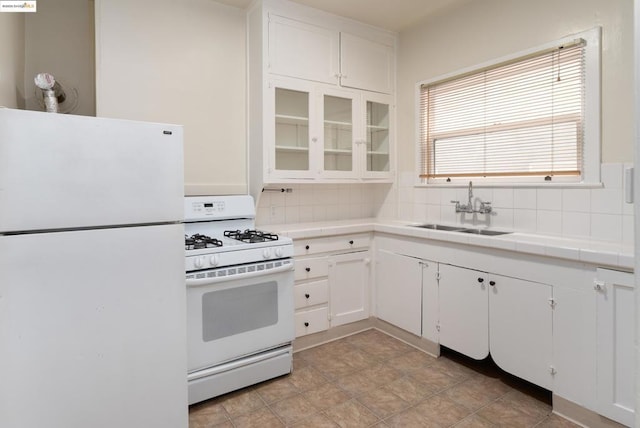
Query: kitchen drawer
{"points": [[311, 293], [311, 321], [332, 244], [313, 267]]}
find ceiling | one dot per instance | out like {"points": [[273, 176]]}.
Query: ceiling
{"points": [[394, 15]]}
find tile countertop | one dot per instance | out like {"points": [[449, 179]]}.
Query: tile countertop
{"points": [[584, 250]]}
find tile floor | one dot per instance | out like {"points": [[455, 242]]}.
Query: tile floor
{"points": [[373, 380]]}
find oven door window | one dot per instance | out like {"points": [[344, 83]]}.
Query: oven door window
{"points": [[238, 310]]}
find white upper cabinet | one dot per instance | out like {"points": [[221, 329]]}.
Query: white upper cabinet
{"points": [[304, 51], [321, 97], [318, 131], [366, 64]]}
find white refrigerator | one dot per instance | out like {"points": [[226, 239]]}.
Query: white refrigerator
{"points": [[92, 294]]}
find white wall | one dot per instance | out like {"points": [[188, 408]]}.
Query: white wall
{"points": [[480, 31], [59, 40], [179, 62], [12, 60]]}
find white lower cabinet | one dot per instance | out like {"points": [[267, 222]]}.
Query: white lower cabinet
{"points": [[510, 318], [399, 290], [332, 281], [311, 321], [464, 311], [349, 287], [520, 328], [615, 345]]}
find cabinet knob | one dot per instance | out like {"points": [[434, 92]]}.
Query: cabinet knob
{"points": [[351, 242], [480, 280], [306, 324], [492, 283], [306, 247], [306, 295], [308, 269]]}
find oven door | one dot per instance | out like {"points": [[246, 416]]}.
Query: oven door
{"points": [[238, 311]]}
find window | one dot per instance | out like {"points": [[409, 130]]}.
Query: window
{"points": [[532, 117]]}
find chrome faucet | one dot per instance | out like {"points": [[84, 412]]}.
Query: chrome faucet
{"points": [[485, 207]]}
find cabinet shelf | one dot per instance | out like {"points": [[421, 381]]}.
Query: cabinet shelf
{"points": [[338, 123], [377, 128], [376, 153], [291, 120], [338, 152], [292, 149]]}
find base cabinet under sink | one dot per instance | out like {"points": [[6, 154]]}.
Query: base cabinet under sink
{"points": [[510, 318]]}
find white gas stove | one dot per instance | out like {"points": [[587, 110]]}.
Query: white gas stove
{"points": [[220, 231], [239, 297]]}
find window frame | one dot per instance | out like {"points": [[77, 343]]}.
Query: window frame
{"points": [[590, 176]]}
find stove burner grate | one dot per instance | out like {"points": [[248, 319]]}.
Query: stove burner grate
{"points": [[199, 241], [250, 236]]}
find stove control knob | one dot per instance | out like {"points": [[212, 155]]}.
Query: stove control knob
{"points": [[266, 253], [213, 260], [198, 262], [278, 252]]}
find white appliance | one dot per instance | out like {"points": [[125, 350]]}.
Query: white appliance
{"points": [[240, 312], [92, 299]]}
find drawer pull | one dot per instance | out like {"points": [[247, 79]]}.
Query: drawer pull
{"points": [[306, 295], [351, 242], [308, 269], [480, 280], [306, 324], [306, 247], [492, 283]]}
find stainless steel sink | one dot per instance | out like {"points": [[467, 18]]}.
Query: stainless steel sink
{"points": [[439, 227], [443, 227], [484, 232]]}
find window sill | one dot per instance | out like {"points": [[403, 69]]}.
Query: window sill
{"points": [[478, 184]]}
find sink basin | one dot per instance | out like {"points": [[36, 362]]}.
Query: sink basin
{"points": [[484, 232], [443, 227], [439, 227]]}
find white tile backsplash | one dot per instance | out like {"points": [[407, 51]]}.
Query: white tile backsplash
{"points": [[524, 199], [597, 213], [549, 199], [576, 200], [502, 198]]}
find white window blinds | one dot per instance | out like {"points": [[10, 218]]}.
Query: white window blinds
{"points": [[523, 118]]}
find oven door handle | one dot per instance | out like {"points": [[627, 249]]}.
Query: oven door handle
{"points": [[197, 282]]}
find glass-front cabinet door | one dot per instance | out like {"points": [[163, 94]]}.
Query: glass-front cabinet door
{"points": [[314, 131], [338, 113], [377, 136], [292, 130]]}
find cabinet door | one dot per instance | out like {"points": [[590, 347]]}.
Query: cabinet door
{"points": [[365, 64], [290, 131], [349, 287], [464, 311], [615, 345], [520, 316], [430, 301], [574, 344], [377, 140], [339, 112], [399, 291], [302, 50]]}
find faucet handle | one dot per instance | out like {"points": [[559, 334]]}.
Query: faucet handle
{"points": [[485, 207]]}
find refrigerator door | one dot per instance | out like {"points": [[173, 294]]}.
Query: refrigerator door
{"points": [[62, 171], [93, 329]]}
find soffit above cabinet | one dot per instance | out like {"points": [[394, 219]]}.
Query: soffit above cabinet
{"points": [[394, 15]]}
